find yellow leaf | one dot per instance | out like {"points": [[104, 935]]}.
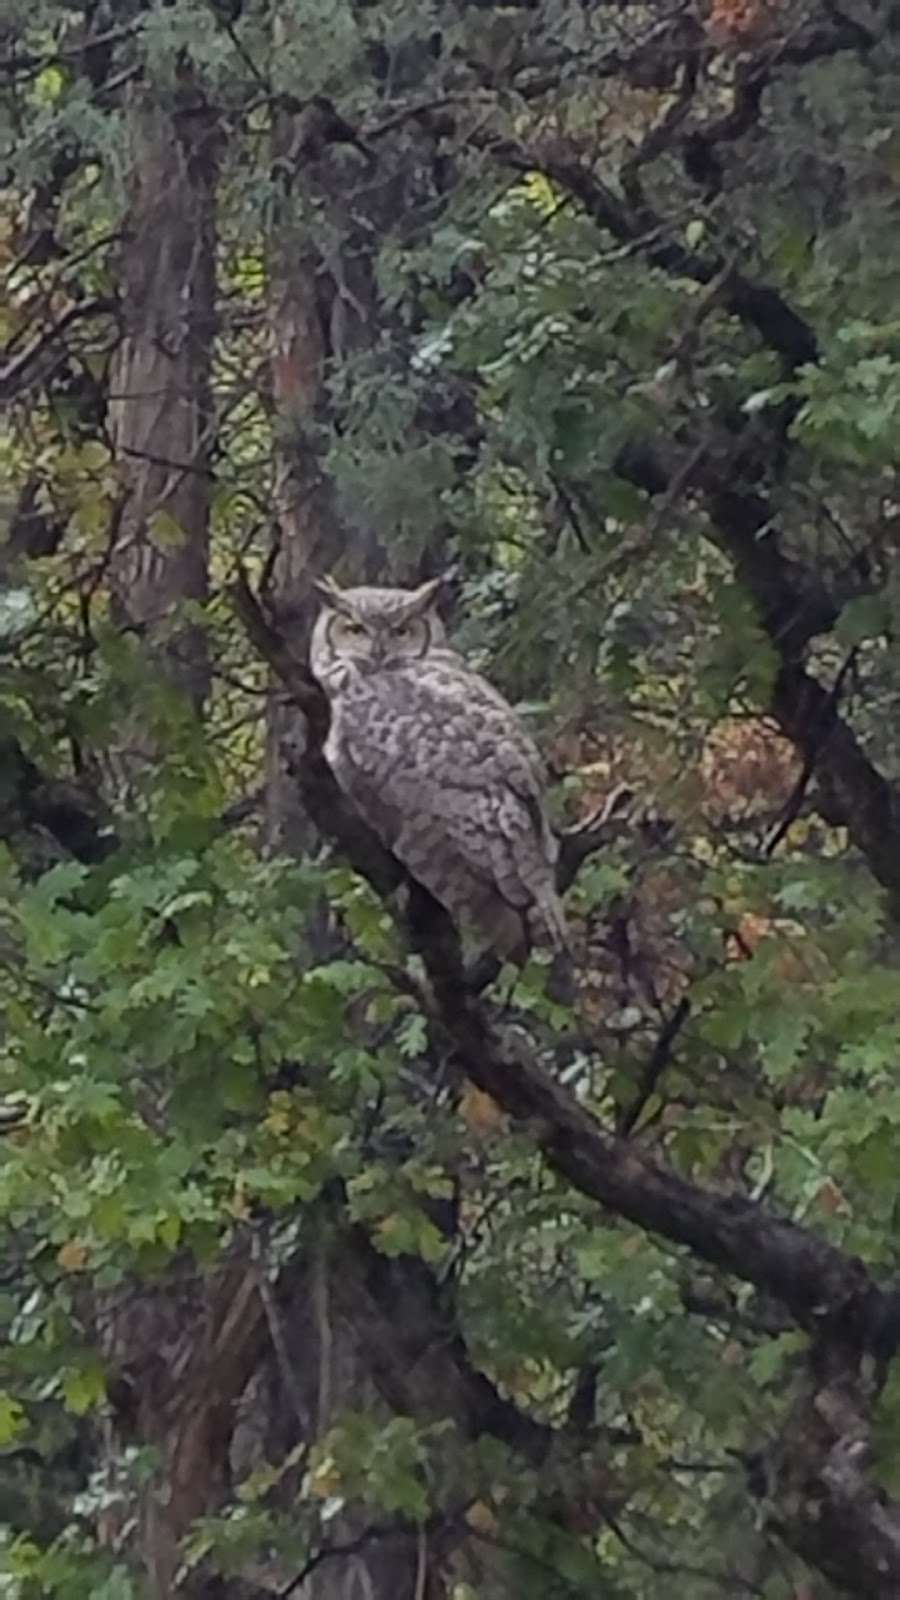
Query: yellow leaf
{"points": [[72, 1256], [93, 455], [164, 531], [480, 1517], [48, 85], [324, 1479], [279, 1115], [92, 515], [540, 192]]}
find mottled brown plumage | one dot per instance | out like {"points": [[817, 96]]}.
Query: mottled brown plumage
{"points": [[438, 764]]}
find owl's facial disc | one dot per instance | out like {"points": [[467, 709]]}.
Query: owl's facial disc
{"points": [[375, 629], [349, 635], [402, 640], [379, 643]]}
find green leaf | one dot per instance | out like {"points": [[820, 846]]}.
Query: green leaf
{"points": [[83, 1389], [412, 1036], [12, 1419], [864, 618], [769, 1359], [166, 532]]}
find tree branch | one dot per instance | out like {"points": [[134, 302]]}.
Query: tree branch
{"points": [[828, 1293], [17, 375], [793, 606], [820, 1285], [33, 802], [659, 1058], [759, 305]]}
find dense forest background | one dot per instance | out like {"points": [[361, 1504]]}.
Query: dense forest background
{"points": [[337, 1264]]}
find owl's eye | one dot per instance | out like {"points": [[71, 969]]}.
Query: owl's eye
{"points": [[354, 628]]}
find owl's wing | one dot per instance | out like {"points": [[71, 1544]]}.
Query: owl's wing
{"points": [[438, 763]]}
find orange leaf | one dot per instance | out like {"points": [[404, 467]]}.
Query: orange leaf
{"points": [[479, 1112]]}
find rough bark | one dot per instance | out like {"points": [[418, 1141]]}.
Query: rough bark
{"points": [[308, 535], [160, 416], [180, 1354], [322, 309], [181, 1358]]}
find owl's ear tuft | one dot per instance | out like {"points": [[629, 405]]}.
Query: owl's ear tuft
{"points": [[325, 587], [330, 594], [435, 589]]}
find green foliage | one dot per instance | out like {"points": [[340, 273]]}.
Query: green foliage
{"points": [[229, 1056], [849, 401]]}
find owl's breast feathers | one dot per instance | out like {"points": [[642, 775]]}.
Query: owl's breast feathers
{"points": [[438, 764]]}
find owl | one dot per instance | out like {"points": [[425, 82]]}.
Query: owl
{"points": [[437, 763]]}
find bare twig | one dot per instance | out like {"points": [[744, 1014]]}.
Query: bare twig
{"points": [[17, 374], [659, 1059], [794, 804]]}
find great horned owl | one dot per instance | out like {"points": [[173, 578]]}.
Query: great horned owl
{"points": [[437, 763]]}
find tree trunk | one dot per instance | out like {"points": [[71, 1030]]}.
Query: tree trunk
{"points": [[323, 310], [179, 1359], [320, 310], [160, 412]]}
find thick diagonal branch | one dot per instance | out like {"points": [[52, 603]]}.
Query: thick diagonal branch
{"points": [[821, 1285], [828, 1292], [759, 305]]}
